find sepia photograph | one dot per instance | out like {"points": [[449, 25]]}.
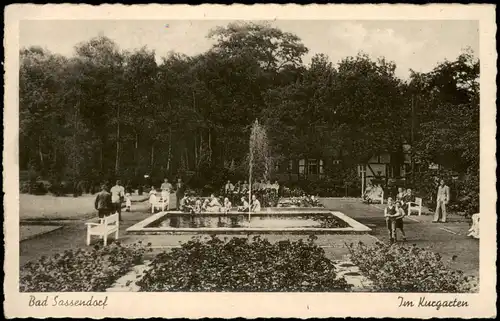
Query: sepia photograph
{"points": [[321, 156]]}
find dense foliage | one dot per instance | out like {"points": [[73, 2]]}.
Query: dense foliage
{"points": [[302, 201], [407, 269], [106, 112], [81, 270], [244, 265]]}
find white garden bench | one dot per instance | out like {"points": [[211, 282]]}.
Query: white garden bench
{"points": [[415, 206], [106, 226]]}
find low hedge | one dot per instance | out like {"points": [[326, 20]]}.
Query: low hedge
{"points": [[243, 265], [394, 268], [79, 270]]}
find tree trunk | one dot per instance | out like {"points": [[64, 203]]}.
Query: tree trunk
{"points": [[201, 146], [152, 155], [102, 156], [169, 149], [210, 146], [195, 150], [40, 151], [75, 143], [55, 156], [136, 153], [117, 163]]}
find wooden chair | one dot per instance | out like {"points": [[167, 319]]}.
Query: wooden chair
{"points": [[415, 206], [159, 204], [106, 226], [474, 229]]}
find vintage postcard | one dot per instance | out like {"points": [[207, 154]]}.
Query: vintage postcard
{"points": [[266, 161]]}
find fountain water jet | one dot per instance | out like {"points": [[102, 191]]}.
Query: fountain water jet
{"points": [[259, 161]]}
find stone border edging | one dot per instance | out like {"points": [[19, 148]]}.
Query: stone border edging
{"points": [[355, 227]]}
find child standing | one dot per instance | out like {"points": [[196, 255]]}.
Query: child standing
{"points": [[128, 202], [390, 214]]}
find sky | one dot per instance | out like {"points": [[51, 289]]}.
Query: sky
{"points": [[412, 44]]}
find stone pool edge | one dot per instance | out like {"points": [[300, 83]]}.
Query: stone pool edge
{"points": [[140, 228]]}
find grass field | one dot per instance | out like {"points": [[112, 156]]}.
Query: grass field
{"points": [[35, 207]]}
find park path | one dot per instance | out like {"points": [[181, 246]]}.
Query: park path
{"points": [[448, 239]]}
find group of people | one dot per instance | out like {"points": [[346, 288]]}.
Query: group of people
{"points": [[109, 201], [166, 189], [396, 210], [243, 187], [372, 192], [191, 204]]}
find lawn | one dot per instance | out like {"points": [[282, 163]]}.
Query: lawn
{"points": [[35, 207]]}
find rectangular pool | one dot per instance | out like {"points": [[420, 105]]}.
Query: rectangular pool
{"points": [[243, 220], [305, 221]]}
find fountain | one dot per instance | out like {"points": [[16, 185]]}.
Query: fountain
{"points": [[312, 220], [259, 158]]}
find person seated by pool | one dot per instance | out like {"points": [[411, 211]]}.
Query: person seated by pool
{"points": [[368, 191], [244, 187], [255, 204], [204, 205], [228, 188], [276, 186], [237, 187], [197, 206], [186, 204], [227, 205], [213, 204], [408, 198], [245, 207], [400, 195], [256, 186]]}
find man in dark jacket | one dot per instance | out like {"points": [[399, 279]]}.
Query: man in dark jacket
{"points": [[180, 188], [103, 202]]}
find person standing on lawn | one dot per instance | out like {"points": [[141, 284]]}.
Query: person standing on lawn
{"points": [[166, 188], [103, 202], [399, 224], [179, 193], [117, 195], [442, 199], [390, 214]]}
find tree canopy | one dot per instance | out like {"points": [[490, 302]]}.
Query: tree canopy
{"points": [[106, 112]]}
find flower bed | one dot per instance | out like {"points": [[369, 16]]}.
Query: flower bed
{"points": [[80, 270], [245, 265], [407, 269], [302, 201]]}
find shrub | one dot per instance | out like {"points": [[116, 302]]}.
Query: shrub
{"points": [[80, 270], [293, 192], [303, 201], [243, 265], [407, 269]]}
